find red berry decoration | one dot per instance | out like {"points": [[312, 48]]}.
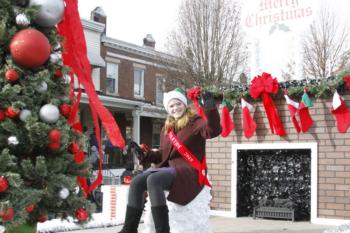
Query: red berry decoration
{"points": [[8, 214], [54, 146], [11, 75], [30, 208], [58, 73], [73, 148], [81, 214], [11, 112], [4, 184], [2, 115], [55, 135], [43, 218], [79, 157], [65, 109], [30, 48]]}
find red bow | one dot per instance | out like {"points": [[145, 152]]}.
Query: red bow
{"points": [[263, 86], [347, 81], [193, 94]]}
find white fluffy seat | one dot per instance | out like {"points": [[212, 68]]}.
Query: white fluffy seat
{"points": [[191, 218]]}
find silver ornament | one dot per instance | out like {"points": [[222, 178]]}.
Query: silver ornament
{"points": [[50, 12], [25, 114], [49, 113], [55, 57], [12, 140], [64, 193], [22, 20], [42, 88]]}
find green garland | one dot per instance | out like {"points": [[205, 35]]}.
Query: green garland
{"points": [[317, 88]]}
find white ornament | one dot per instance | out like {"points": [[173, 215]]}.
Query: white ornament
{"points": [[77, 190], [64, 193], [66, 78], [49, 113], [57, 46], [25, 114], [12, 140], [55, 57], [22, 20], [50, 12], [42, 88]]}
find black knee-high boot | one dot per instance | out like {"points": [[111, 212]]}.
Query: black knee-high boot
{"points": [[132, 220], [161, 218]]}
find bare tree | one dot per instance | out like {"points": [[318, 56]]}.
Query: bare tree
{"points": [[209, 42], [326, 47]]}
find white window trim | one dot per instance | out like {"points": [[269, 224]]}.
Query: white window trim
{"points": [[141, 96], [158, 77], [116, 86]]}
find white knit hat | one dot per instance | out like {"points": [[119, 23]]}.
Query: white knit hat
{"points": [[174, 94]]}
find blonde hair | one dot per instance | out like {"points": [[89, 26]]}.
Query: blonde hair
{"points": [[176, 125]]}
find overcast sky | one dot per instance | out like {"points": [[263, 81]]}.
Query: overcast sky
{"points": [[131, 20]]}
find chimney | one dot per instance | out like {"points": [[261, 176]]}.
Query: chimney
{"points": [[98, 15], [148, 41]]}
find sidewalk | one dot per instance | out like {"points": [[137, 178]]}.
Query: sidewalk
{"points": [[242, 225]]}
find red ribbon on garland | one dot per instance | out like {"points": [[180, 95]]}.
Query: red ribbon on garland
{"points": [[75, 56], [263, 86], [194, 94], [347, 81]]}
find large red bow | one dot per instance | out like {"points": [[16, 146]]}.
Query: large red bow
{"points": [[263, 86], [193, 94]]}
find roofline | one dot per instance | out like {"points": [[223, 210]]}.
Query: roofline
{"points": [[92, 25], [136, 49]]}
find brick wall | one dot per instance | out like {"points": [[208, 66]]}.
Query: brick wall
{"points": [[333, 156], [126, 75]]}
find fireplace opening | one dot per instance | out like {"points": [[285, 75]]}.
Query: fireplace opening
{"points": [[278, 178]]}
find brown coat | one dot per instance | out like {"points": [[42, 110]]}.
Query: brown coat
{"points": [[185, 186]]}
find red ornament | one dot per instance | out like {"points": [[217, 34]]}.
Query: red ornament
{"points": [[127, 179], [2, 115], [58, 73], [11, 75], [11, 112], [30, 48], [55, 135], [73, 148], [4, 184], [43, 218], [82, 214], [65, 109], [79, 157], [54, 146], [7, 215], [30, 208]]}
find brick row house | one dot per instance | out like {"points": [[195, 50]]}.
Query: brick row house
{"points": [[130, 82]]}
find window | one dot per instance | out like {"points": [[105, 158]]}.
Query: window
{"points": [[112, 78], [160, 87], [138, 82]]}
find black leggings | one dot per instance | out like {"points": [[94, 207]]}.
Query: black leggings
{"points": [[155, 182]]}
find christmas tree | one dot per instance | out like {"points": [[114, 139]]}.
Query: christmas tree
{"points": [[41, 149]]}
